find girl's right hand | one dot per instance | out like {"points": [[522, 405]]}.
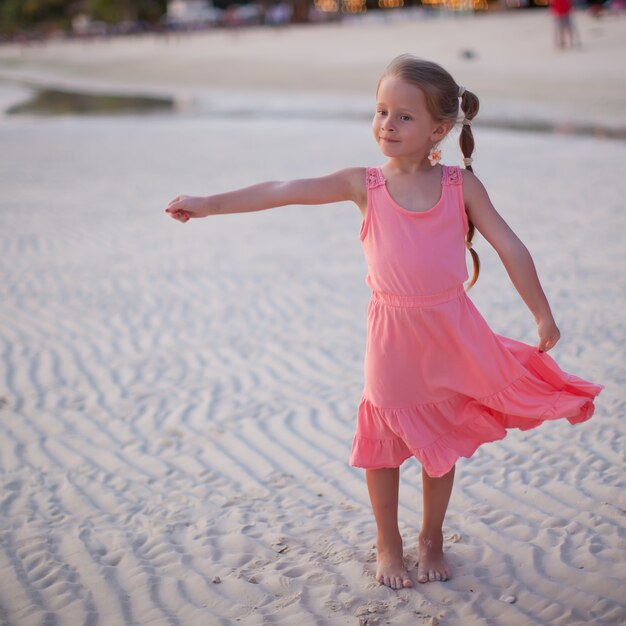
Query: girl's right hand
{"points": [[183, 208]]}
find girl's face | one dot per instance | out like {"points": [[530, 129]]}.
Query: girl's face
{"points": [[402, 125]]}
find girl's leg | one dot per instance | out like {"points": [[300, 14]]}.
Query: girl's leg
{"points": [[383, 485], [432, 563]]}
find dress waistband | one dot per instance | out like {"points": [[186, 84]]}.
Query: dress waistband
{"points": [[399, 300]]}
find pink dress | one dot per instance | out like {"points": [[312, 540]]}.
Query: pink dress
{"points": [[438, 381]]}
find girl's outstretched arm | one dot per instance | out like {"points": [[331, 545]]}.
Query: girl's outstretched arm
{"points": [[514, 256], [347, 184]]}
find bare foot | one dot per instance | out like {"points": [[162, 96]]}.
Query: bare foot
{"points": [[432, 563], [390, 570]]}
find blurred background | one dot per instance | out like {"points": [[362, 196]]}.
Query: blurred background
{"points": [[85, 18]]}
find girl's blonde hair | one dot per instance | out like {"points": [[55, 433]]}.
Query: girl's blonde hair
{"points": [[442, 99]]}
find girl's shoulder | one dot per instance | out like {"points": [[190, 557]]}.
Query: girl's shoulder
{"points": [[470, 180], [355, 177], [475, 195], [467, 174], [353, 183]]}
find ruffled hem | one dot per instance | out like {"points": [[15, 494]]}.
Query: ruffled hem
{"points": [[380, 453], [437, 434]]}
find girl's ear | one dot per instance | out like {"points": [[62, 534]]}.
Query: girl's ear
{"points": [[440, 131]]}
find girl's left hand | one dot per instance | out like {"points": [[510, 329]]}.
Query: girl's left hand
{"points": [[548, 335]]}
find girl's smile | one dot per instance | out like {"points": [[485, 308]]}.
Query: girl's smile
{"points": [[402, 125]]}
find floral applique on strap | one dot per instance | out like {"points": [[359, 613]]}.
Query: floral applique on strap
{"points": [[452, 175], [374, 177]]}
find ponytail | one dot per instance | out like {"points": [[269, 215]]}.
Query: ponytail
{"points": [[469, 106]]}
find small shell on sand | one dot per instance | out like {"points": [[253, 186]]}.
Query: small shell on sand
{"points": [[509, 599], [279, 546]]}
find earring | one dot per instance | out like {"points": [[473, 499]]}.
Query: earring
{"points": [[434, 156]]}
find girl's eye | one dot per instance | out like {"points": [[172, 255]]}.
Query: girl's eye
{"points": [[406, 118], [381, 112]]}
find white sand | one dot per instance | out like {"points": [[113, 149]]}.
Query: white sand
{"points": [[178, 401]]}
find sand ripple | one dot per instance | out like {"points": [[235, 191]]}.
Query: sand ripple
{"points": [[178, 402]]}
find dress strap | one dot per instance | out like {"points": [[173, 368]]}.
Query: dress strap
{"points": [[374, 177], [452, 178], [452, 175]]}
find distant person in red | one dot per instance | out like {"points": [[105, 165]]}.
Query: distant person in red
{"points": [[562, 11]]}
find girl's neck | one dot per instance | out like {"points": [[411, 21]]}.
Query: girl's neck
{"points": [[410, 166]]}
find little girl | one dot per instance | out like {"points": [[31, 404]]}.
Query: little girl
{"points": [[438, 382]]}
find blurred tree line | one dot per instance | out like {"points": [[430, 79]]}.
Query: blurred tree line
{"points": [[48, 15]]}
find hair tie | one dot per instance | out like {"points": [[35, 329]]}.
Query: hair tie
{"points": [[467, 161], [467, 122], [461, 91]]}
